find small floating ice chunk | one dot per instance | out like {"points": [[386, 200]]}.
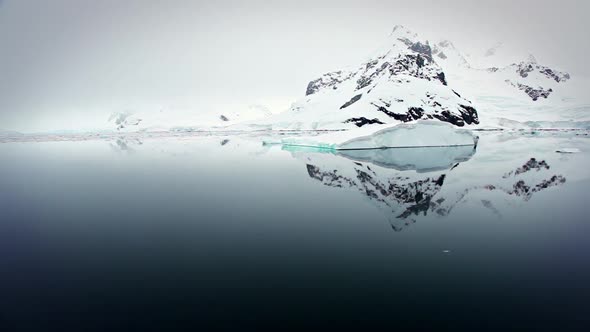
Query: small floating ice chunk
{"points": [[446, 251], [407, 135], [568, 150]]}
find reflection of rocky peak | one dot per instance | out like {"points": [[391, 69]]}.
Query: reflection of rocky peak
{"points": [[385, 177], [125, 144], [523, 187], [395, 193], [406, 196], [532, 164]]}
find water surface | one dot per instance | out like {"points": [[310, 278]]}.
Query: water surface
{"points": [[224, 232]]}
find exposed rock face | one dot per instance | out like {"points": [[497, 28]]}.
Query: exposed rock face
{"points": [[533, 93], [415, 65], [557, 76], [525, 68], [351, 101], [359, 122], [329, 80], [223, 118], [413, 113], [402, 83], [468, 115], [442, 55], [529, 74], [464, 114], [410, 79], [423, 49]]}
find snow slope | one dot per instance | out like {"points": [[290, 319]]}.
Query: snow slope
{"points": [[400, 83], [508, 85], [171, 120], [409, 78]]}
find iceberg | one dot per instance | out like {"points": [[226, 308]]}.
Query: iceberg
{"points": [[424, 133]]}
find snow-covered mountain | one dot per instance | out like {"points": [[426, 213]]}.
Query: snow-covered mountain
{"points": [[509, 87], [402, 82], [410, 78]]}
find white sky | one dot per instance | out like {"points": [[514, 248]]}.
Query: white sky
{"points": [[70, 63]]}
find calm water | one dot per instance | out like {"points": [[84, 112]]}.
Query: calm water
{"points": [[221, 232]]}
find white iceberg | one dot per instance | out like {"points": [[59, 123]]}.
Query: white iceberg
{"points": [[425, 133]]}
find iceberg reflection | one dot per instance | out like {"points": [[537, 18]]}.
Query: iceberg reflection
{"points": [[418, 159]]}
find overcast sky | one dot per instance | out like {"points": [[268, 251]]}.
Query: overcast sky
{"points": [[70, 63]]}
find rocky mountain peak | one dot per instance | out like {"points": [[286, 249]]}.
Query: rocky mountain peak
{"points": [[410, 78]]}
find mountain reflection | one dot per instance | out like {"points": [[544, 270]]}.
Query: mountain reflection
{"points": [[407, 184]]}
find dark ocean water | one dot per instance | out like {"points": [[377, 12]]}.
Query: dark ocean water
{"points": [[213, 233]]}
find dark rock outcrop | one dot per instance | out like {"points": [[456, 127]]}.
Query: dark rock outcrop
{"points": [[525, 68], [329, 80], [557, 76], [352, 101], [535, 94], [362, 121], [423, 49], [413, 113], [383, 80]]}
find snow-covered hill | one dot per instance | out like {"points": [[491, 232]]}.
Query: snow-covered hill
{"points": [[402, 82], [508, 85], [410, 78], [171, 120]]}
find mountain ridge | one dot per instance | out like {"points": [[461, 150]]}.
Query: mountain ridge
{"points": [[410, 78]]}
